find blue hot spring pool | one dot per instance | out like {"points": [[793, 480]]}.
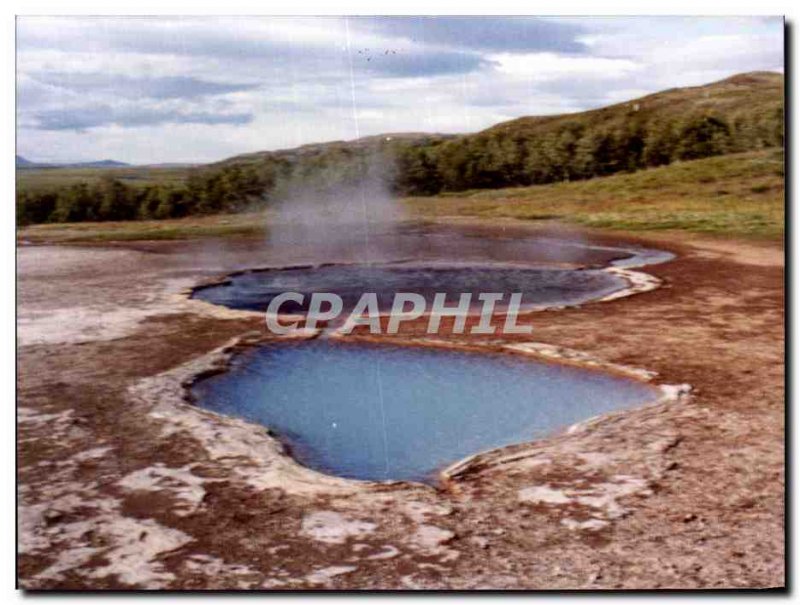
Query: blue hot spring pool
{"points": [[381, 412], [253, 290]]}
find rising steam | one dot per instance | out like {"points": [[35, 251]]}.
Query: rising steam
{"points": [[348, 214]]}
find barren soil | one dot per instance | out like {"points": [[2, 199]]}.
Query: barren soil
{"points": [[123, 484]]}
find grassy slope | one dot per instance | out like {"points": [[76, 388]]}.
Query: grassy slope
{"points": [[35, 179], [742, 94], [739, 194]]}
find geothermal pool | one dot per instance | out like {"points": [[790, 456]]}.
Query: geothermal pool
{"points": [[253, 290], [381, 412]]}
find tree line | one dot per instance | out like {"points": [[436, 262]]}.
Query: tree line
{"points": [[512, 154], [576, 150], [233, 189]]}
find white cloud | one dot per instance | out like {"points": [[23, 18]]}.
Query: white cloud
{"points": [[119, 87], [550, 66]]}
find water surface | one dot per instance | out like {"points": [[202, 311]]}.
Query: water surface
{"points": [[383, 412], [253, 290]]}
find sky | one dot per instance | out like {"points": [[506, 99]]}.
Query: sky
{"points": [[198, 89]]}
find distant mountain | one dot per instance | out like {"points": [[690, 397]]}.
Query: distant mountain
{"points": [[98, 164], [367, 144], [26, 163], [169, 165]]}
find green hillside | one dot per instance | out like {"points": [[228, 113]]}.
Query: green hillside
{"points": [[738, 194], [739, 114]]}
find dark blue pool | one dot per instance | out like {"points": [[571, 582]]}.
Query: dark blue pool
{"points": [[253, 290]]}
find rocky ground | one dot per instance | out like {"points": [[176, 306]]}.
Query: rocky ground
{"points": [[123, 484]]}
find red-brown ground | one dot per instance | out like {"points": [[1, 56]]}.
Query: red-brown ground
{"points": [[123, 486]]}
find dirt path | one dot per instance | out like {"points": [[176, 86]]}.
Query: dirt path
{"points": [[122, 485]]}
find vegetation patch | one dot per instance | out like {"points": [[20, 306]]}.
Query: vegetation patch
{"points": [[683, 196], [738, 194]]}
